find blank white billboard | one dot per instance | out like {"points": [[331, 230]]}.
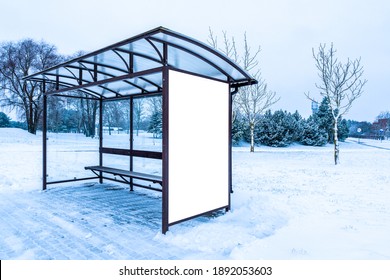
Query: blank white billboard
{"points": [[198, 146]]}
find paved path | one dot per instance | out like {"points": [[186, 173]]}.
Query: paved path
{"points": [[91, 221], [368, 145]]}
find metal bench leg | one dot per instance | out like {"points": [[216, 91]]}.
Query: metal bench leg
{"points": [[131, 185], [130, 182]]}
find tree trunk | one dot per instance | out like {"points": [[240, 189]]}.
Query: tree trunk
{"points": [[88, 115], [31, 125], [336, 143], [252, 128]]}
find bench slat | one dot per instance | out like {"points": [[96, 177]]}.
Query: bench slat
{"points": [[126, 173]]}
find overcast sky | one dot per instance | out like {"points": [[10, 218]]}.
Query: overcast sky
{"points": [[286, 31]]}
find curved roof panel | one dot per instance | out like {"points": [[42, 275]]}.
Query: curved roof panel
{"points": [[134, 66]]}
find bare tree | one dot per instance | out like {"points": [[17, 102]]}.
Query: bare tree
{"points": [[88, 110], [138, 112], [341, 84], [16, 61], [252, 101], [55, 108], [117, 114], [383, 115]]}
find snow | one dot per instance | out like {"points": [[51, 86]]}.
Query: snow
{"points": [[288, 203]]}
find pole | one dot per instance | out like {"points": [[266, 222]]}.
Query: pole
{"points": [[100, 138], [44, 138], [165, 142], [131, 139], [230, 120]]}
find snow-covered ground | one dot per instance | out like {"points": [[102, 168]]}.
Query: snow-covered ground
{"points": [[288, 203]]}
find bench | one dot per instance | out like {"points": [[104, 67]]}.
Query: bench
{"points": [[127, 174]]}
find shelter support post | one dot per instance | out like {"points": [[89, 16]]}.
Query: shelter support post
{"points": [[165, 140], [100, 138], [131, 128], [230, 143], [44, 138]]}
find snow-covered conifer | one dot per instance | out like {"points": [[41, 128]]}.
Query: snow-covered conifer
{"points": [[312, 134]]}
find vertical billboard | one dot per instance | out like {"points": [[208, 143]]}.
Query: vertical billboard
{"points": [[198, 165]]}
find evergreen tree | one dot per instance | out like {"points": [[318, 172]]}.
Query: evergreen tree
{"points": [[296, 126], [69, 121], [238, 127], [155, 125], [22, 125], [325, 121], [312, 134], [343, 130], [277, 129], [155, 118], [4, 120]]}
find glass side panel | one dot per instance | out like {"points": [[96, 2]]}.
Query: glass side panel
{"points": [[72, 139], [116, 161], [147, 165], [116, 134], [68, 153], [116, 124], [148, 124]]}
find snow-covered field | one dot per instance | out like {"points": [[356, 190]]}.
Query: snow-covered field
{"points": [[288, 203]]}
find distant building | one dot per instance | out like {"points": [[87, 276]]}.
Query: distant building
{"points": [[381, 128]]}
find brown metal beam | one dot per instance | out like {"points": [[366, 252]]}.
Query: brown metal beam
{"points": [[110, 80], [44, 138], [132, 153], [165, 142]]}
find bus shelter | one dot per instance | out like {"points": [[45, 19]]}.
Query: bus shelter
{"points": [[195, 83]]}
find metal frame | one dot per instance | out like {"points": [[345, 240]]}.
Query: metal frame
{"points": [[92, 75], [165, 142]]}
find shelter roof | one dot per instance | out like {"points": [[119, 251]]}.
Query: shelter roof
{"points": [[134, 66]]}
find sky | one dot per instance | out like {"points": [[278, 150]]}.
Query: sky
{"points": [[287, 31]]}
